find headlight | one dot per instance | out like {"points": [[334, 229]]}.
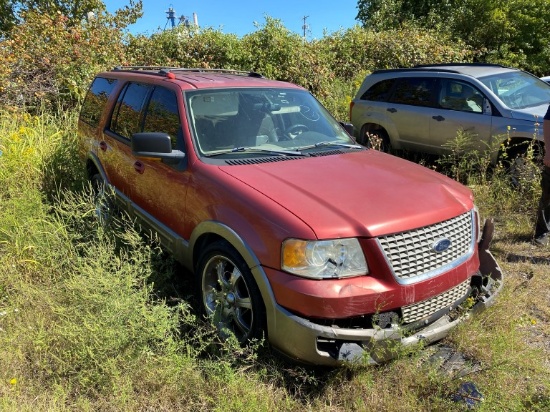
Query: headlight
{"points": [[324, 259]]}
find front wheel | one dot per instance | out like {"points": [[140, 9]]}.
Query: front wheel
{"points": [[229, 295], [522, 161]]}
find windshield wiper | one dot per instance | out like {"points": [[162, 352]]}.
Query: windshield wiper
{"points": [[323, 144], [243, 149], [347, 145]]}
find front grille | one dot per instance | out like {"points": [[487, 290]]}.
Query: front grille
{"points": [[412, 256], [428, 307]]}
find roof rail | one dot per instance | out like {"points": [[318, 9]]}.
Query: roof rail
{"points": [[164, 70], [440, 67], [460, 64], [416, 69]]}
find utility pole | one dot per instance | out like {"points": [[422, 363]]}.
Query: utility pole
{"points": [[305, 26]]}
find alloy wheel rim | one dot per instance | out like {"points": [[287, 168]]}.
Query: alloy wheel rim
{"points": [[226, 298]]}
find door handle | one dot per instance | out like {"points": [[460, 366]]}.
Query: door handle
{"points": [[438, 118], [103, 146], [391, 110], [139, 167]]}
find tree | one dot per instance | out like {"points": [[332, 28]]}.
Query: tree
{"points": [[391, 14], [7, 17], [74, 10], [509, 32], [49, 58], [12, 12]]}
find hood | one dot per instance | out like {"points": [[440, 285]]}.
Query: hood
{"points": [[531, 113], [365, 193]]}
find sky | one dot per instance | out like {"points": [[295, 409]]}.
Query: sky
{"points": [[238, 16]]}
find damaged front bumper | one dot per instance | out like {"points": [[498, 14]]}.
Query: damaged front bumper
{"points": [[306, 341]]}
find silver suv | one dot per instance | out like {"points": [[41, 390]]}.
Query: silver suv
{"points": [[420, 109]]}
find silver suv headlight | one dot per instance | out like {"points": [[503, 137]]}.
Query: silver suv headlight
{"points": [[324, 259]]}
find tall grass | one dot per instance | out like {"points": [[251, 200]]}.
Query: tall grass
{"points": [[92, 317]]}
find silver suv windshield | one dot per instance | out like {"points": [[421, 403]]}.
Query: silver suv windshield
{"points": [[254, 121], [518, 90]]}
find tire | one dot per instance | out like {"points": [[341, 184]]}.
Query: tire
{"points": [[228, 294], [375, 138], [103, 200], [518, 165]]}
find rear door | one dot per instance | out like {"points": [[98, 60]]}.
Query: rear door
{"points": [[410, 108], [114, 148]]}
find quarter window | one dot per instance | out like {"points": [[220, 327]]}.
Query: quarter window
{"points": [[379, 92], [96, 99]]}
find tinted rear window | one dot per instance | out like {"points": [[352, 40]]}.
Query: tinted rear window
{"points": [[379, 92], [414, 91], [96, 99]]}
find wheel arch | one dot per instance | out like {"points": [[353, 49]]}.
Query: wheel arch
{"points": [[375, 128], [93, 166], [209, 232], [514, 146]]}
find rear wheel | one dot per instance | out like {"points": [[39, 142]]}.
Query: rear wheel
{"points": [[103, 200], [375, 137], [228, 293]]}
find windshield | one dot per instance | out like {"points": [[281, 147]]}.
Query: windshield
{"points": [[257, 122], [518, 90]]}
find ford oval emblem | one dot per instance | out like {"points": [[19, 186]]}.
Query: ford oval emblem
{"points": [[441, 245]]}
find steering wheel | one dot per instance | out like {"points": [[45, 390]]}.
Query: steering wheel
{"points": [[295, 130]]}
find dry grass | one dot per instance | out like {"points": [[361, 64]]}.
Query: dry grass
{"points": [[82, 326]]}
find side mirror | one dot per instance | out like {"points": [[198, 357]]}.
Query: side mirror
{"points": [[348, 127], [155, 145]]}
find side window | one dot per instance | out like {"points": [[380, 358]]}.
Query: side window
{"points": [[457, 95], [414, 91], [379, 92], [127, 114], [162, 114], [96, 99]]}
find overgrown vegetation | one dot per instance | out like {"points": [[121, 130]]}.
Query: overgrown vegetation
{"points": [[95, 318]]}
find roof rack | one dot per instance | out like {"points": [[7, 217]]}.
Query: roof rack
{"points": [[460, 64], [163, 70], [439, 67]]}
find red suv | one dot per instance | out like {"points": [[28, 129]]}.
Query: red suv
{"points": [[330, 250]]}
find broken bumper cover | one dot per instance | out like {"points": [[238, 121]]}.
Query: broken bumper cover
{"points": [[306, 341]]}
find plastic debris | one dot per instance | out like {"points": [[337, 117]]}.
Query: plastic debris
{"points": [[469, 394]]}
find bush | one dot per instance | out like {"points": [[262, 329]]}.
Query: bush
{"points": [[50, 60]]}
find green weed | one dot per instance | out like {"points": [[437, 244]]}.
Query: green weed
{"points": [[98, 318]]}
